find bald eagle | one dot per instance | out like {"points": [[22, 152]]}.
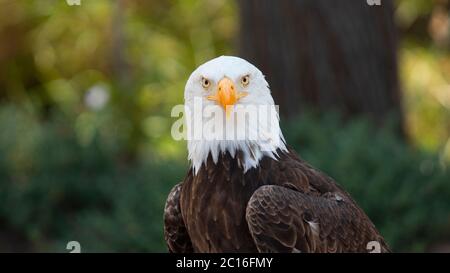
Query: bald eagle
{"points": [[253, 193]]}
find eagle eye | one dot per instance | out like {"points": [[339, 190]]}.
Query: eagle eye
{"points": [[205, 82], [245, 80]]}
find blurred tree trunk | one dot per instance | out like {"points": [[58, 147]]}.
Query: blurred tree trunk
{"points": [[119, 65], [325, 54], [123, 79]]}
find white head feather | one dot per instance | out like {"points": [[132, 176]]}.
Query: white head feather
{"points": [[263, 135]]}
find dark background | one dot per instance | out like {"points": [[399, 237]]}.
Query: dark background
{"points": [[86, 92]]}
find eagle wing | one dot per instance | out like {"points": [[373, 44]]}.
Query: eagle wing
{"points": [[282, 219], [175, 233]]}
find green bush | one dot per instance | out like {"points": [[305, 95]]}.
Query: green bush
{"points": [[54, 189]]}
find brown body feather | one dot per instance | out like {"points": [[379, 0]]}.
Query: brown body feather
{"points": [[283, 205]]}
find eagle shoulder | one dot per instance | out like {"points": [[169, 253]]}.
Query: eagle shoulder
{"points": [[291, 218], [175, 233]]}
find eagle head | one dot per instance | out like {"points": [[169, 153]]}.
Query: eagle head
{"points": [[229, 108]]}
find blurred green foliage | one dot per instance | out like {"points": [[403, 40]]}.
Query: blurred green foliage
{"points": [[138, 53], [424, 66], [54, 190], [85, 146]]}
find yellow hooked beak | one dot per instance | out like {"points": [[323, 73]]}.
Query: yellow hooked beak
{"points": [[226, 95]]}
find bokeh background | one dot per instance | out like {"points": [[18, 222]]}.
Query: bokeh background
{"points": [[86, 92]]}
